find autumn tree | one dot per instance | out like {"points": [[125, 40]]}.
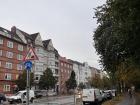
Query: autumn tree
{"points": [[117, 38]]}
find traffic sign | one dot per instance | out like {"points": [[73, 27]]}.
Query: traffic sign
{"points": [[28, 65], [30, 55]]}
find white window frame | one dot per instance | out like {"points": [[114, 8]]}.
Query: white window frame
{"points": [[0, 52], [8, 76], [39, 68], [8, 65], [10, 44], [17, 76], [9, 54], [19, 57], [1, 40], [19, 67], [20, 47], [6, 88], [37, 77]]}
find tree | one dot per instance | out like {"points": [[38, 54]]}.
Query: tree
{"points": [[81, 85], [102, 83], [47, 80], [21, 81], [71, 82], [95, 82], [117, 37]]}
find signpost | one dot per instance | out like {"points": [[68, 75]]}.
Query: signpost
{"points": [[28, 65]]}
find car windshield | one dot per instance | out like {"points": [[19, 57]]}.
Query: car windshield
{"points": [[18, 93]]}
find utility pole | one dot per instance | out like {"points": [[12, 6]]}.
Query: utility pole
{"points": [[27, 103], [28, 65]]}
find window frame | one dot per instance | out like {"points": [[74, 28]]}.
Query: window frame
{"points": [[9, 54], [10, 44], [20, 47], [1, 40], [7, 65], [6, 88]]}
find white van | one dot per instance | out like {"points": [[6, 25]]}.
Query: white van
{"points": [[20, 97], [91, 96]]}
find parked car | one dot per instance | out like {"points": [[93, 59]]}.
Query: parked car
{"points": [[51, 93], [21, 97], [114, 92], [2, 97], [92, 96], [40, 93], [109, 94], [104, 95]]}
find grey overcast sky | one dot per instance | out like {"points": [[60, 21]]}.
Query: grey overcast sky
{"points": [[68, 23]]}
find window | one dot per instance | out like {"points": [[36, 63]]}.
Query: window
{"points": [[20, 47], [17, 76], [19, 67], [8, 65], [37, 77], [1, 40], [39, 68], [10, 44], [7, 76], [61, 64], [0, 52], [19, 57], [9, 54], [0, 63], [6, 88], [56, 71]]}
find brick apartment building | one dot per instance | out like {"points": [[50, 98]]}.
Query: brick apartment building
{"points": [[65, 71], [12, 50]]}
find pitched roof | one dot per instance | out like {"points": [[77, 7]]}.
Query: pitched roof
{"points": [[9, 34], [46, 42], [27, 36], [33, 36]]}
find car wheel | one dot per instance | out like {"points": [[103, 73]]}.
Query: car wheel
{"points": [[97, 102], [84, 103], [11, 102], [31, 100], [19, 101]]}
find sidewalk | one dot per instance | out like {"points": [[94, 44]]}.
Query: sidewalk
{"points": [[135, 100]]}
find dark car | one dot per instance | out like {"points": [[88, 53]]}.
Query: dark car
{"points": [[38, 94], [109, 94], [2, 97]]}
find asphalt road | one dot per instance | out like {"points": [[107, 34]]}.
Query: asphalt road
{"points": [[135, 100], [57, 100], [61, 100]]}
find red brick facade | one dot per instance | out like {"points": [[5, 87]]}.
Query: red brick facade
{"points": [[10, 72], [65, 71]]}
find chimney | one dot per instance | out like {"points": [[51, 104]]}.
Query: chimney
{"points": [[13, 30]]}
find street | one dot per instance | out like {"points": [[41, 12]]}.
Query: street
{"points": [[55, 100], [61, 100], [135, 100]]}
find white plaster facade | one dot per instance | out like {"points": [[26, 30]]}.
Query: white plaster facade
{"points": [[40, 65], [82, 71]]}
